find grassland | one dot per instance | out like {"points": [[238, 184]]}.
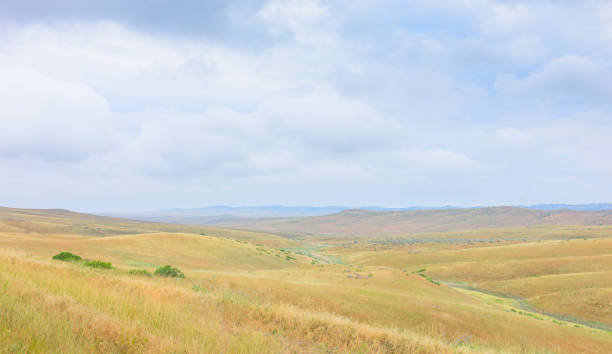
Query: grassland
{"points": [[367, 223], [253, 292], [570, 279]]}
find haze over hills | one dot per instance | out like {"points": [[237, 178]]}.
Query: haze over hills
{"points": [[354, 222], [216, 213], [337, 220]]}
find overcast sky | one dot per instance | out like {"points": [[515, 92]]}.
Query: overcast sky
{"points": [[136, 105]]}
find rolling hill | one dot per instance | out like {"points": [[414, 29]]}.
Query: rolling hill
{"points": [[384, 223]]}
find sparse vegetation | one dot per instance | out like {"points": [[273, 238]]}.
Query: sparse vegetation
{"points": [[141, 272]]}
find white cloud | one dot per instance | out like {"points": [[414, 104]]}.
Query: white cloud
{"points": [[49, 118], [437, 159], [292, 13], [566, 78], [301, 17], [512, 135]]}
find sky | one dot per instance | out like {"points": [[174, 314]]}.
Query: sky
{"points": [[142, 105]]}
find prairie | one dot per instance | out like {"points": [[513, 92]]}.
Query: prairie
{"points": [[244, 292]]}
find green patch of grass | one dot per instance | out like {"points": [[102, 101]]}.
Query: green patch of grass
{"points": [[263, 250], [139, 264], [433, 281], [169, 271], [98, 264], [67, 257]]}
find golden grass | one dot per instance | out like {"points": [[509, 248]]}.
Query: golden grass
{"points": [[59, 308], [309, 309], [566, 277], [594, 304], [536, 286], [475, 272], [399, 257]]}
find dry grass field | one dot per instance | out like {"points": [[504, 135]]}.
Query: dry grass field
{"points": [[254, 292], [367, 223], [571, 279]]}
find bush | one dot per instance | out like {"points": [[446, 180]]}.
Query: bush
{"points": [[142, 272], [67, 257], [98, 264], [169, 272]]}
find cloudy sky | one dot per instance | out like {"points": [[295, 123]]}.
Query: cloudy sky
{"points": [[135, 105]]}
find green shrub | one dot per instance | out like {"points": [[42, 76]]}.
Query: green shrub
{"points": [[142, 272], [98, 264], [67, 257], [169, 272]]}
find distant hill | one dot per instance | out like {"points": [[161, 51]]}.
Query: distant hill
{"points": [[373, 223], [227, 215], [594, 206], [205, 214], [66, 222]]}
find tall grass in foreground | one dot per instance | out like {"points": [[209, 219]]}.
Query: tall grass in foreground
{"points": [[62, 308]]}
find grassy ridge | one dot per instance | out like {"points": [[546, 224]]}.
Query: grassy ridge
{"points": [[150, 250], [64, 223]]}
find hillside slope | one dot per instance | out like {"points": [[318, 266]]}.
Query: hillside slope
{"points": [[376, 223], [66, 222]]}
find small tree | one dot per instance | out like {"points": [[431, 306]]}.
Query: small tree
{"points": [[67, 257], [169, 271]]}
